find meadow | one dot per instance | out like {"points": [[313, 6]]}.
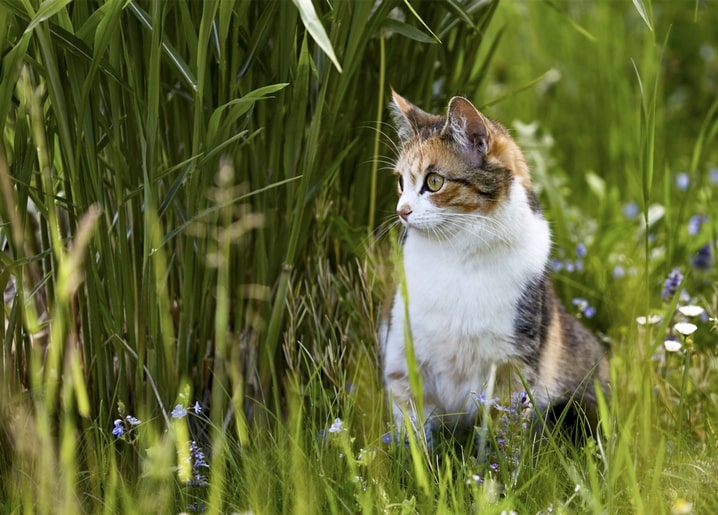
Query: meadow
{"points": [[197, 232]]}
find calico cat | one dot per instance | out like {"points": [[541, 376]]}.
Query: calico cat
{"points": [[482, 314]]}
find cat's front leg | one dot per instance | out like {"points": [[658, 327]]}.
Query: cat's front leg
{"points": [[406, 414]]}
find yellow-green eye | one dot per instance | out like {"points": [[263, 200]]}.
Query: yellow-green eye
{"points": [[434, 182]]}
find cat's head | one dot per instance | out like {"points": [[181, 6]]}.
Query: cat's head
{"points": [[455, 171]]}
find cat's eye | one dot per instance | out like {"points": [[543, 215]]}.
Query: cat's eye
{"points": [[434, 182], [400, 184]]}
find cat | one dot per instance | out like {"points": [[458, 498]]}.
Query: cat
{"points": [[483, 317]]}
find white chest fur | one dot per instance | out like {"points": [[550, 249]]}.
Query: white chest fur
{"points": [[462, 296]]}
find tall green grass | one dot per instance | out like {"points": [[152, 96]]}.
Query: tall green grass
{"points": [[191, 193]]}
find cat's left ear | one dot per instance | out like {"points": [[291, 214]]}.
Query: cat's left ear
{"points": [[469, 128]]}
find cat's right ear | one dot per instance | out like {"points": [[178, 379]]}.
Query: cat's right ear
{"points": [[469, 128], [409, 119]]}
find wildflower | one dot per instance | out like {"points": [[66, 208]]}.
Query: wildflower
{"points": [[584, 308], [519, 399], [133, 421], [556, 265], [685, 328], [119, 428], [337, 426], [713, 174], [683, 180], [691, 311], [483, 401], [695, 222], [671, 284], [199, 462], [350, 388], [630, 210], [179, 411], [619, 272], [197, 408], [702, 259], [649, 320], [387, 438], [476, 479], [580, 303], [682, 507], [671, 344], [581, 250]]}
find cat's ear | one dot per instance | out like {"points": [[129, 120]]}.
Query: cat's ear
{"points": [[409, 119], [468, 128]]}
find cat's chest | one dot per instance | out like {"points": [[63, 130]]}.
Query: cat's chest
{"points": [[461, 302]]}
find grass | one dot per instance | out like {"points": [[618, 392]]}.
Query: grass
{"points": [[192, 202]]}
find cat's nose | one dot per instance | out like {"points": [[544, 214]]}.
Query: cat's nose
{"points": [[404, 211]]}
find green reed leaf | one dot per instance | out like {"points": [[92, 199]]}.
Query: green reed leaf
{"points": [[316, 29], [407, 30]]}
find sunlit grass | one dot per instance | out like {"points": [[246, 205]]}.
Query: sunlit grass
{"points": [[190, 197]]}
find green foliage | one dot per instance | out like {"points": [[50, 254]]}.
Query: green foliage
{"points": [[191, 194]]}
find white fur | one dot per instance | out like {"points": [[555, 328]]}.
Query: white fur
{"points": [[463, 287]]}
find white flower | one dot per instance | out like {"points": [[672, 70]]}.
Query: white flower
{"points": [[649, 320], [336, 427], [672, 345], [682, 507], [685, 328], [691, 311]]}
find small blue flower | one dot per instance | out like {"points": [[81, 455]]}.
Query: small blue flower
{"points": [[630, 210], [483, 401], [713, 174], [197, 408], [133, 421], [569, 266], [119, 428], [695, 223], [581, 250], [619, 272], [703, 258], [519, 399], [387, 438], [336, 426], [671, 284], [556, 265], [683, 180], [179, 411], [197, 454], [584, 308]]}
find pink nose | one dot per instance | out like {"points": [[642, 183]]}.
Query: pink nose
{"points": [[404, 212]]}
